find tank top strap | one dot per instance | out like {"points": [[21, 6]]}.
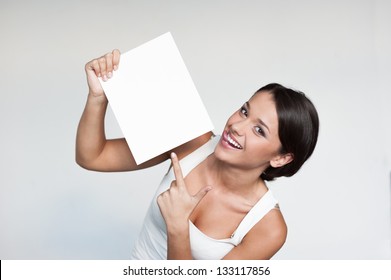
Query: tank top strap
{"points": [[266, 203]]}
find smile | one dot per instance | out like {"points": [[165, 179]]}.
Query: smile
{"points": [[228, 139]]}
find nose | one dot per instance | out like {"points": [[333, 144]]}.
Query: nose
{"points": [[237, 128]]}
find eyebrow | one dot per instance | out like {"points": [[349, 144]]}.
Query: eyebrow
{"points": [[259, 119]]}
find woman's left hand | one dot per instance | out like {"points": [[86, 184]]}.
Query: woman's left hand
{"points": [[176, 204]]}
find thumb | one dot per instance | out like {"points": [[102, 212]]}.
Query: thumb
{"points": [[201, 193]]}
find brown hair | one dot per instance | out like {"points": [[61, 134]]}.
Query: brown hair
{"points": [[298, 128]]}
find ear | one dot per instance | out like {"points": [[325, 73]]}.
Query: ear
{"points": [[281, 160]]}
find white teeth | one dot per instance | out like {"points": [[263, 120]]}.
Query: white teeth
{"points": [[233, 142]]}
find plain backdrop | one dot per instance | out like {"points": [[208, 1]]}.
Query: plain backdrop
{"points": [[337, 52]]}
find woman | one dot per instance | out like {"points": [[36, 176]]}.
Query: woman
{"points": [[214, 202]]}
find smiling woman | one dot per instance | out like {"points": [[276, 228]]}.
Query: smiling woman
{"points": [[214, 202]]}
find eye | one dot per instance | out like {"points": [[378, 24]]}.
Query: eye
{"points": [[243, 111], [259, 131]]}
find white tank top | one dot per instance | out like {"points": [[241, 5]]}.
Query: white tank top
{"points": [[152, 241]]}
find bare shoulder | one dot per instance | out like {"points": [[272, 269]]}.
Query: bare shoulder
{"points": [[264, 240], [269, 234], [273, 226]]}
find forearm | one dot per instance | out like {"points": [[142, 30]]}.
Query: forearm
{"points": [[178, 244], [91, 138]]}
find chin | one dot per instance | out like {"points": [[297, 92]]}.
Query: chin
{"points": [[225, 156], [236, 160]]}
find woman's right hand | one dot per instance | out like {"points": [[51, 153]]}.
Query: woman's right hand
{"points": [[103, 68]]}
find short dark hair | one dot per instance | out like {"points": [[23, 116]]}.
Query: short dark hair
{"points": [[298, 128]]}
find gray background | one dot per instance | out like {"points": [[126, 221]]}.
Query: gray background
{"points": [[337, 206]]}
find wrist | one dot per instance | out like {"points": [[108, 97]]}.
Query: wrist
{"points": [[178, 229], [97, 99]]}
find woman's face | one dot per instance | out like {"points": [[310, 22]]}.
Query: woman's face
{"points": [[250, 137]]}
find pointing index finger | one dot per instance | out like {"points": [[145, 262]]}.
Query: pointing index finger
{"points": [[177, 170]]}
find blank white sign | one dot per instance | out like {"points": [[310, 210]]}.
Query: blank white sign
{"points": [[155, 100]]}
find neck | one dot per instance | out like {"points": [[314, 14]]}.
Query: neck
{"points": [[236, 180]]}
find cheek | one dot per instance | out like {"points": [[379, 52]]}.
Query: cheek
{"points": [[260, 148]]}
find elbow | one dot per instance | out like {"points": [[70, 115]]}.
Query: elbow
{"points": [[84, 159], [80, 163], [83, 163]]}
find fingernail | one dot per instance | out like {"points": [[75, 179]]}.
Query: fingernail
{"points": [[104, 78], [109, 75], [173, 155], [115, 67]]}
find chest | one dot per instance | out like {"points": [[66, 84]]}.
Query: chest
{"points": [[220, 212]]}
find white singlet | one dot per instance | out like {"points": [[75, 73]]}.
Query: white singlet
{"points": [[152, 241]]}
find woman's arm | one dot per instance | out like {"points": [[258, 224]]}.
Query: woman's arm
{"points": [[93, 150]]}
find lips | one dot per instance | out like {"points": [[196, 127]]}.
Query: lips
{"points": [[231, 141]]}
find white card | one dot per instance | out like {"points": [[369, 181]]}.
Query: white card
{"points": [[154, 99]]}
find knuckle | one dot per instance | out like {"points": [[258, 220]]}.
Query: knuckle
{"points": [[92, 63], [88, 66]]}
